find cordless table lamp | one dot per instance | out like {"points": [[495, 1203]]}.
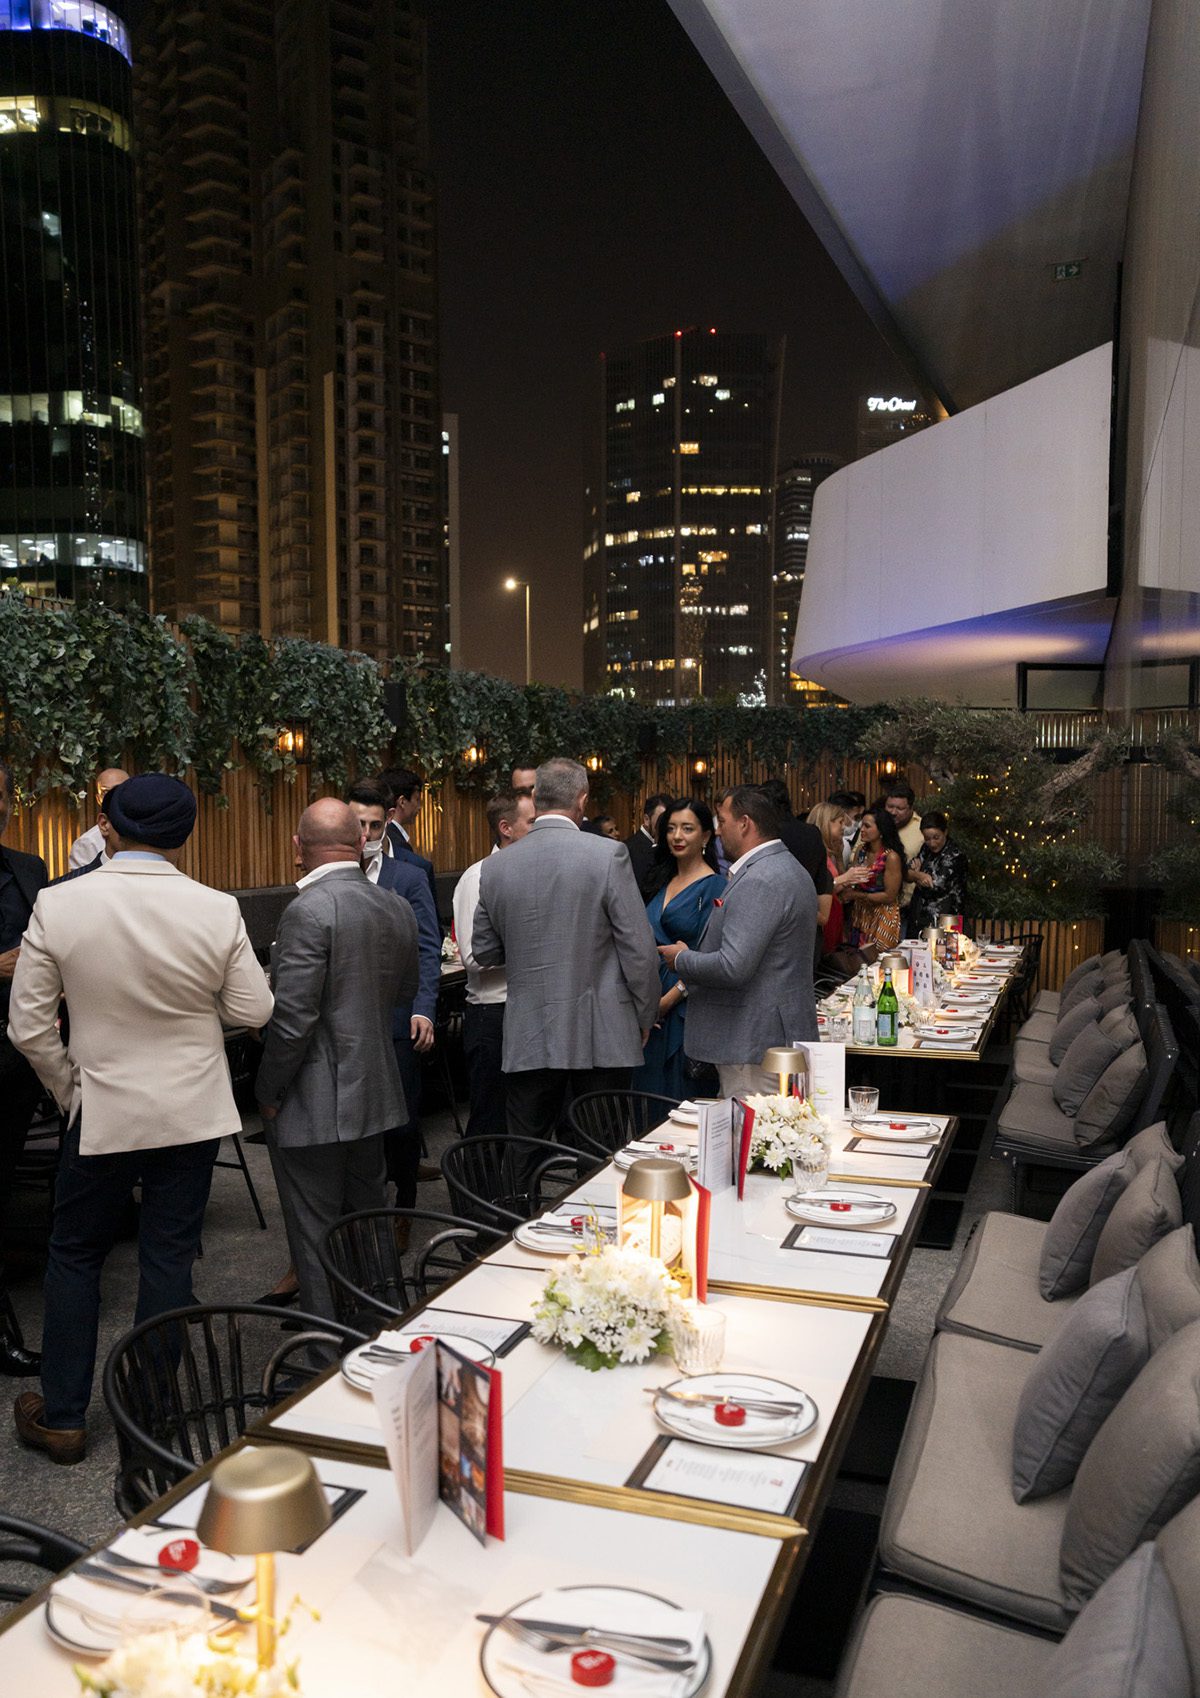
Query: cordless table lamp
{"points": [[790, 1067]]}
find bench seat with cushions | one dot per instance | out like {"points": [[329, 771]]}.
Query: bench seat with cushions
{"points": [[1018, 1278], [1023, 1480], [1139, 1637], [1076, 1043]]}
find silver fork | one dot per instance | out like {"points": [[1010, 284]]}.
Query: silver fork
{"points": [[214, 1588], [596, 1638]]}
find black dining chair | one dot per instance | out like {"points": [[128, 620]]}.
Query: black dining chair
{"points": [[183, 1385], [27, 1545], [1024, 987], [377, 1269], [602, 1122], [499, 1181]]}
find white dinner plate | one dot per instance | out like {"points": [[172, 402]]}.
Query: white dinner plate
{"points": [[362, 1375], [758, 1432], [896, 1128], [586, 1600], [685, 1114], [840, 1208], [957, 1017], [682, 1153], [968, 1002]]}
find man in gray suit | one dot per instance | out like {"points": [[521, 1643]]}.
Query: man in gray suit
{"points": [[328, 1087], [749, 982], [560, 910]]}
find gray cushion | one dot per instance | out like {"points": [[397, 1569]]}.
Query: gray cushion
{"points": [[1147, 1209], [1142, 1467], [1085, 1012], [1031, 1063], [1179, 1552], [1119, 1023], [1039, 1027], [1046, 1002], [1082, 970], [1110, 1105], [1089, 984], [994, 1292], [1112, 955], [1076, 1382], [1069, 1245], [908, 1647], [950, 1521], [1088, 1054], [1128, 1642], [1033, 1118], [1114, 996], [1168, 1277]]}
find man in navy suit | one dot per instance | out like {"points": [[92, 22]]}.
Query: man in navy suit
{"points": [[21, 878], [406, 790], [412, 1022]]}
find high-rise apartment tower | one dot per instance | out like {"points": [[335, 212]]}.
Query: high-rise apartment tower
{"points": [[72, 478], [794, 490], [677, 582], [292, 391]]}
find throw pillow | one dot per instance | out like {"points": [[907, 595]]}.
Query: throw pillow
{"points": [[1113, 1100], [1147, 1209], [1091, 984], [1152, 1144], [1127, 1643], [1085, 1012], [1142, 1467], [1168, 1277], [1088, 1054], [1120, 1024], [1114, 996], [1084, 968], [1069, 1246], [1111, 956], [1077, 1381]]}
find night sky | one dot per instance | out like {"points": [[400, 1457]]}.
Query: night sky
{"points": [[595, 187]]}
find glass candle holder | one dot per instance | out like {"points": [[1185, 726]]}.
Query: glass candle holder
{"points": [[810, 1172], [697, 1338]]}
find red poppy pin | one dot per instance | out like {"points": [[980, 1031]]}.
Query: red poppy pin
{"points": [[718, 901]]}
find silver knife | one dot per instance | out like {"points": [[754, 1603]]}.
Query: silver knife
{"points": [[571, 1630], [709, 1400], [129, 1583]]}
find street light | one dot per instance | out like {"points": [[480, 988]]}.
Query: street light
{"points": [[523, 584]]}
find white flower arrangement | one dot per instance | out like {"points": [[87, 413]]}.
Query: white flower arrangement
{"points": [[607, 1307], [787, 1133], [163, 1665]]}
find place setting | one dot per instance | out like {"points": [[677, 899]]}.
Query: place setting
{"points": [[568, 1228], [680, 1151], [738, 1411], [368, 1363], [857, 1211], [618, 1637]]}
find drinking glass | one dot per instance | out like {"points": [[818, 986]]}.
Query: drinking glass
{"points": [[840, 1028], [864, 1100], [698, 1338]]}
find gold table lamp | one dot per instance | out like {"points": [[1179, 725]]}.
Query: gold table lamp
{"points": [[260, 1502], [656, 1181], [787, 1064]]}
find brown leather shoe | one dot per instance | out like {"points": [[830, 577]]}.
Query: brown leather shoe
{"points": [[61, 1444]]}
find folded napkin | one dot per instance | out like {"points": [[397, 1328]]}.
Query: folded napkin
{"points": [[680, 1149], [550, 1671]]}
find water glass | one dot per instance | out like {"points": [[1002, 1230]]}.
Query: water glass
{"points": [[698, 1337], [839, 1029], [864, 1100]]}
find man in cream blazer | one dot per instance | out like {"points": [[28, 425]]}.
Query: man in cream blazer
{"points": [[150, 964]]}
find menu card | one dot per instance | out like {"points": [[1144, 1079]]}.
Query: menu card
{"points": [[826, 1078], [747, 1479], [879, 1147], [828, 1241], [743, 1128], [697, 1212], [714, 1145], [441, 1421], [497, 1335]]}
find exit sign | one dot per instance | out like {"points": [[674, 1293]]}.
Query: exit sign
{"points": [[1067, 269]]}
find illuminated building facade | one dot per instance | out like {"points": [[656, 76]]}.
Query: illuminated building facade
{"points": [[677, 585], [794, 489], [72, 475], [884, 419], [287, 213]]}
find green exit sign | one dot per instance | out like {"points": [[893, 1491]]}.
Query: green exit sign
{"points": [[1067, 269]]}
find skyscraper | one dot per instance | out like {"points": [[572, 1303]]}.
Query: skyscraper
{"points": [[287, 213], [677, 587], [72, 502], [794, 490], [883, 419]]}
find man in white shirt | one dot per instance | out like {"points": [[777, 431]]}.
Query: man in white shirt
{"points": [[510, 815], [899, 799], [85, 849]]}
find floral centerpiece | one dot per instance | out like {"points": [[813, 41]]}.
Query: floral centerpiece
{"points": [[607, 1307], [789, 1138], [164, 1665]]}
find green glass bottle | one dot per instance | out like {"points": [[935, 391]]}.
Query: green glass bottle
{"points": [[887, 1015]]}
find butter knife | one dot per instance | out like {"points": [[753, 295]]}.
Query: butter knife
{"points": [[105, 1576]]}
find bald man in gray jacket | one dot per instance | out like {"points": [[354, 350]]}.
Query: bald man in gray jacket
{"points": [[561, 911]]}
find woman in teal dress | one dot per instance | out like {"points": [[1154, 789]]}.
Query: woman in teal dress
{"points": [[686, 883]]}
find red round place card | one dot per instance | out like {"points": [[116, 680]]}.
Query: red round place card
{"points": [[897, 1125], [181, 1555], [420, 1343], [592, 1668], [729, 1415], [841, 1208]]}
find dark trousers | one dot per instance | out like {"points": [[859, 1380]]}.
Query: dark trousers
{"points": [[483, 1050], [402, 1145], [318, 1184], [19, 1093], [538, 1099], [91, 1209]]}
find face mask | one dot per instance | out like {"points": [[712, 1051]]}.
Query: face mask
{"points": [[371, 849]]}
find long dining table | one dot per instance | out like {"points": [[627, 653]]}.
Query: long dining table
{"points": [[580, 1455]]}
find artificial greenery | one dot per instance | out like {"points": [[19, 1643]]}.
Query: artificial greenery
{"points": [[1020, 818]]}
